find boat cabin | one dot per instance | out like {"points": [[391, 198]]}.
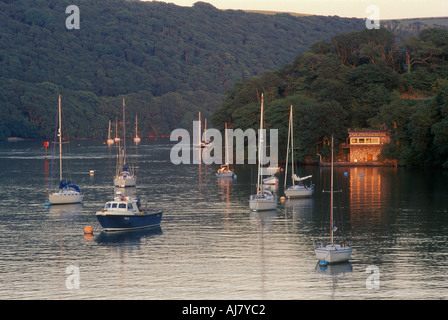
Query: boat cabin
{"points": [[122, 204]]}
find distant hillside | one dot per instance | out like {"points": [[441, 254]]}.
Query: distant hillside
{"points": [[295, 14], [411, 27], [168, 61]]}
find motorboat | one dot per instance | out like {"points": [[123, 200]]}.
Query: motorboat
{"points": [[126, 213]]}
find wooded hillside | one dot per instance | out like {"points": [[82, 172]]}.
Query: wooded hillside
{"points": [[169, 62], [359, 79]]}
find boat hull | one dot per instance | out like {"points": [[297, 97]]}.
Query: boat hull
{"points": [[300, 192], [226, 175], [333, 254], [65, 197], [124, 183], [262, 204], [114, 221]]}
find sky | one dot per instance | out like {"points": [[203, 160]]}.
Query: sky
{"points": [[385, 9]]}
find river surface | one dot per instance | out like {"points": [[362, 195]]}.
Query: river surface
{"points": [[209, 245]]}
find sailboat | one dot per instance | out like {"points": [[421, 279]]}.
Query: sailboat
{"points": [[136, 138], [331, 252], [225, 171], [296, 190], [206, 143], [124, 176], [200, 143], [264, 199], [110, 141], [67, 193]]}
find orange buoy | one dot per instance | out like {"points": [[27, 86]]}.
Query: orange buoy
{"points": [[282, 199], [88, 230]]}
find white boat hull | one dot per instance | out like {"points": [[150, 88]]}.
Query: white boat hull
{"points": [[262, 205], [333, 253], [65, 197], [123, 183], [267, 201], [299, 192]]}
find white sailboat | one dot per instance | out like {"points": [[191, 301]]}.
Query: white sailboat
{"points": [[110, 141], [331, 252], [136, 138], [296, 190], [264, 199], [67, 193], [225, 171], [124, 176]]}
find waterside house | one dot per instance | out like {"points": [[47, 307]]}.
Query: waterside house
{"points": [[365, 145]]}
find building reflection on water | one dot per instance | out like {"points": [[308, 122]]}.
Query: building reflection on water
{"points": [[369, 193]]}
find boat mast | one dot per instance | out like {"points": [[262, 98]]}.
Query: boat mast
{"points": [[287, 148], [199, 130], [260, 145], [124, 134], [227, 147], [331, 194], [60, 140], [292, 148]]}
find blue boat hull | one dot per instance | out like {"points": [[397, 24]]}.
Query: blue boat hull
{"points": [[116, 222]]}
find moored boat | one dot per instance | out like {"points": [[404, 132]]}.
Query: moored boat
{"points": [[124, 176], [225, 171], [295, 190], [263, 199], [125, 213], [332, 252], [68, 193]]}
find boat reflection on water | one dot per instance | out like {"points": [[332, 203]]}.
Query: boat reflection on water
{"points": [[264, 219], [335, 273], [71, 209], [334, 269], [126, 192], [128, 236], [299, 206]]}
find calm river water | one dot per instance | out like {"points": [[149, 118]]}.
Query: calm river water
{"points": [[209, 245]]}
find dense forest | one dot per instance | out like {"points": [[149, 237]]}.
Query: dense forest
{"points": [[167, 61], [360, 79]]}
